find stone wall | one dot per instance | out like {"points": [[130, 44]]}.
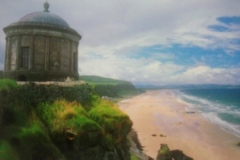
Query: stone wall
{"points": [[40, 76]]}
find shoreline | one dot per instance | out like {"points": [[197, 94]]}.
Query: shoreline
{"points": [[158, 117]]}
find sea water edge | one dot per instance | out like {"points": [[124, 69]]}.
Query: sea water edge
{"points": [[211, 105]]}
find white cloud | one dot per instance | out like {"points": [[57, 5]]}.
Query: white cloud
{"points": [[150, 71], [207, 75]]}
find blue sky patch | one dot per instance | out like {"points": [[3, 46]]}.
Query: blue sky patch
{"points": [[229, 20], [189, 55], [226, 23], [218, 28]]}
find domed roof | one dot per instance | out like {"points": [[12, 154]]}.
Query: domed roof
{"points": [[44, 17], [43, 20]]}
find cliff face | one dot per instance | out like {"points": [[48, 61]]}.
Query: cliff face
{"points": [[61, 122]]}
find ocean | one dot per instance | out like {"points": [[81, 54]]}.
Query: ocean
{"points": [[221, 106]]}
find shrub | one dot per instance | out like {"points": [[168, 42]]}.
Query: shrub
{"points": [[31, 95], [34, 143], [133, 157], [115, 123], [7, 152], [7, 84], [62, 113], [69, 121]]}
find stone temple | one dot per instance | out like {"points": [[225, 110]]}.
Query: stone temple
{"points": [[41, 46]]}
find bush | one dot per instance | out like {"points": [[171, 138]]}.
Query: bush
{"points": [[36, 144], [69, 122], [62, 114], [31, 95], [115, 123], [133, 157], [7, 152], [24, 137], [6, 85], [116, 90]]}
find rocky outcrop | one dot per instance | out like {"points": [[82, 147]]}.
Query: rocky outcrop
{"points": [[164, 153]]}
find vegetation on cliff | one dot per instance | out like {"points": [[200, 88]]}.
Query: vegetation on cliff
{"points": [[60, 122], [164, 153], [110, 87]]}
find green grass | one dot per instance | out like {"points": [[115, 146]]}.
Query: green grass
{"points": [[133, 157], [110, 87], [108, 114], [97, 80], [62, 114], [7, 152], [23, 136], [6, 84], [163, 150], [115, 123], [33, 141]]}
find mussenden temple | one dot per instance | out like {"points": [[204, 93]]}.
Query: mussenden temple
{"points": [[41, 46]]}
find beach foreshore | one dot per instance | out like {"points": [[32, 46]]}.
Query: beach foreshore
{"points": [[160, 118]]}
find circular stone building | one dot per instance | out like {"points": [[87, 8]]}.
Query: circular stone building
{"points": [[41, 46]]}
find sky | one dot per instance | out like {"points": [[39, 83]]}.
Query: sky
{"points": [[156, 42]]}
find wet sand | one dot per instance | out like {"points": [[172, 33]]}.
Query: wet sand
{"points": [[159, 117]]}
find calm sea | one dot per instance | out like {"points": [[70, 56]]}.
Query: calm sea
{"points": [[220, 106]]}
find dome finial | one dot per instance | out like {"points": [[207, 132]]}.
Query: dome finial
{"points": [[46, 6]]}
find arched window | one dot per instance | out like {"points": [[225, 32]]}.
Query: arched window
{"points": [[24, 63]]}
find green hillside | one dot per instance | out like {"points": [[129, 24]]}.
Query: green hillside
{"points": [[110, 87], [102, 80]]}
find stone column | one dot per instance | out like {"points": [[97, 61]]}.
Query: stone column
{"points": [[8, 53], [31, 54], [47, 52], [62, 45], [18, 52], [76, 61], [71, 56]]}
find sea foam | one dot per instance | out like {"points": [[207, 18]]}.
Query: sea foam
{"points": [[225, 116]]}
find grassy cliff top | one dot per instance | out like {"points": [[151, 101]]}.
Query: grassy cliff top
{"points": [[102, 80], [110, 87]]}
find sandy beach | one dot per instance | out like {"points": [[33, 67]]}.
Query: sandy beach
{"points": [[159, 117]]}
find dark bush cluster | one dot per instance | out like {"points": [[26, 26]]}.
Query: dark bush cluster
{"points": [[115, 90], [31, 95]]}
